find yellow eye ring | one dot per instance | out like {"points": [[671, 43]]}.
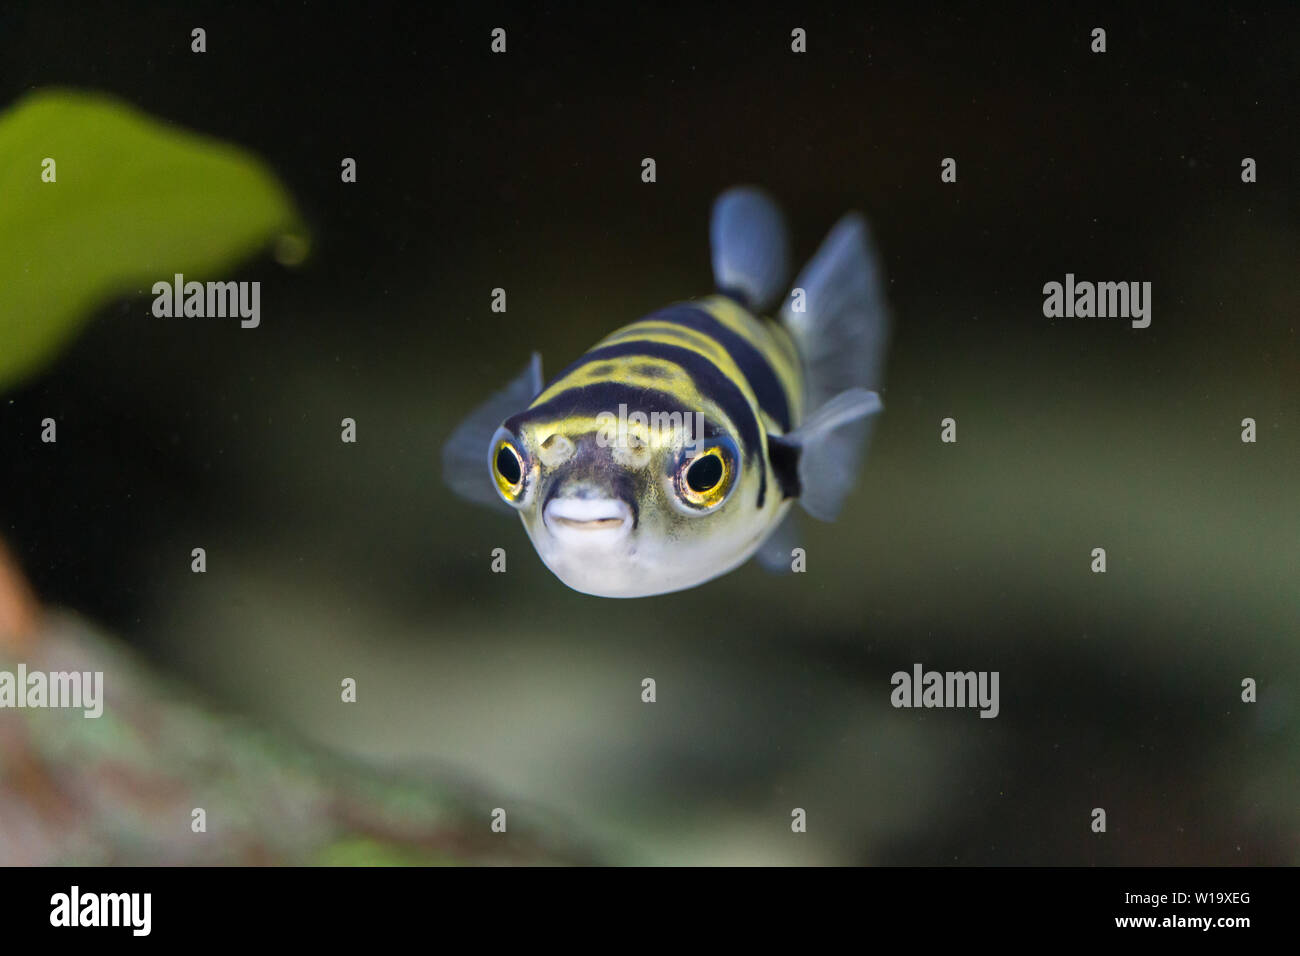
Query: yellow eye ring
{"points": [[508, 469], [704, 480]]}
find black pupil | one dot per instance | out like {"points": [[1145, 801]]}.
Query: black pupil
{"points": [[704, 473], [508, 465]]}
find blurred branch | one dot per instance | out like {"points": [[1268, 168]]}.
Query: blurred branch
{"points": [[19, 612], [122, 788]]}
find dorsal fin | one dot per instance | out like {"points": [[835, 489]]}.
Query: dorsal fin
{"points": [[750, 247]]}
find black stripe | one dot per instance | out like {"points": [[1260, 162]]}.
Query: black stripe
{"points": [[709, 380], [713, 383], [623, 486], [762, 379], [591, 400], [784, 456]]}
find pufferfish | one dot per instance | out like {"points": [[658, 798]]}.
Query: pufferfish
{"points": [[673, 450]]}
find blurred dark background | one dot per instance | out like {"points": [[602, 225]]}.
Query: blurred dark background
{"points": [[523, 171]]}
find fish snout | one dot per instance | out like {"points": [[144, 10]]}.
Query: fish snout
{"points": [[588, 520]]}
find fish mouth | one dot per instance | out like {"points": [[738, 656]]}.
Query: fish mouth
{"points": [[591, 520]]}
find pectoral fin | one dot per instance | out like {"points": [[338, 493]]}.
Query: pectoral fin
{"points": [[818, 461], [774, 553], [466, 460]]}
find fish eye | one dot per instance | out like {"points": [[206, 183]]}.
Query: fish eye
{"points": [[508, 470], [704, 480], [704, 473]]}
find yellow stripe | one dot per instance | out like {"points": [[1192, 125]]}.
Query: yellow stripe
{"points": [[768, 337], [667, 333], [673, 380], [622, 369]]}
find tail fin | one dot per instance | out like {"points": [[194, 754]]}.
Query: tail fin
{"points": [[844, 326], [750, 247], [841, 334]]}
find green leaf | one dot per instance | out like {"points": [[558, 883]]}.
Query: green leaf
{"points": [[134, 201]]}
